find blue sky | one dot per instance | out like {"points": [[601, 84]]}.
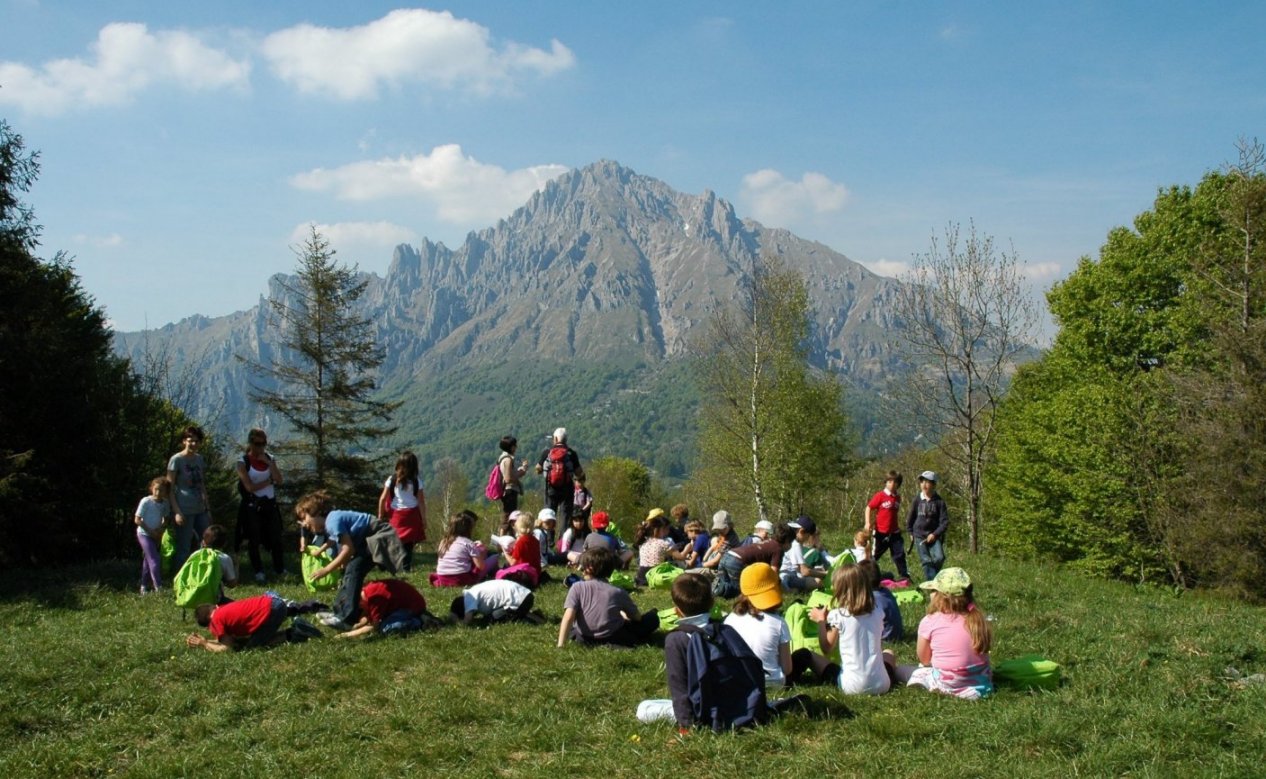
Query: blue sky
{"points": [[183, 145]]}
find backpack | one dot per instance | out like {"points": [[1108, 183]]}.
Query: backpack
{"points": [[198, 580], [496, 488], [660, 577], [1030, 672], [167, 553], [559, 468], [725, 681], [311, 562]]}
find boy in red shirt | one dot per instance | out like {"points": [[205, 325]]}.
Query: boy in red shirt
{"points": [[391, 607], [247, 623], [886, 505]]}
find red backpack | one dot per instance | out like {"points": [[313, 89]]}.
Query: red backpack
{"points": [[559, 471]]}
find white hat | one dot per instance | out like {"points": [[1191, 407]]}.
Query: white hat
{"points": [[560, 434], [721, 520], [765, 525], [928, 476], [547, 515]]}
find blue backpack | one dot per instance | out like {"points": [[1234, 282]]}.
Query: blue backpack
{"points": [[725, 681]]}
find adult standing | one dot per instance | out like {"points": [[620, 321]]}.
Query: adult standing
{"points": [[186, 473], [511, 479], [560, 465], [258, 518], [928, 522], [886, 507]]}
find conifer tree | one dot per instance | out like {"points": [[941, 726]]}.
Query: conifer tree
{"points": [[323, 381]]}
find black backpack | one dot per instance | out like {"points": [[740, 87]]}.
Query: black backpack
{"points": [[725, 681]]}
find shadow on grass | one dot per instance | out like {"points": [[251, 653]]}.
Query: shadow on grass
{"points": [[64, 587], [812, 708]]}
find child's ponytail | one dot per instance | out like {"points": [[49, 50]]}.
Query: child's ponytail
{"points": [[644, 531]]}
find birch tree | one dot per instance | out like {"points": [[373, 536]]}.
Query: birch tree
{"points": [[966, 319], [771, 428]]}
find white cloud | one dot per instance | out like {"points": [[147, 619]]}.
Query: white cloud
{"points": [[350, 238], [99, 241], [776, 201], [463, 190], [127, 58], [430, 48], [890, 268], [1041, 271]]}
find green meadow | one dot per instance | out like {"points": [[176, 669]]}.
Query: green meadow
{"points": [[97, 681]]}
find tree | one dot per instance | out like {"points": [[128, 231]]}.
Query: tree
{"points": [[323, 383], [621, 487], [769, 425], [966, 322], [449, 488], [80, 436]]}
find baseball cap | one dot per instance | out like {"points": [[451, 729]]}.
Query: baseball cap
{"points": [[805, 523], [600, 520], [655, 512], [928, 476], [765, 525], [721, 520], [759, 582], [950, 581], [546, 515]]}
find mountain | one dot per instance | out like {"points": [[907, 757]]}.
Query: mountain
{"points": [[577, 309]]}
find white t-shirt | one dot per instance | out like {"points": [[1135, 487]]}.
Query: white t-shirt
{"points": [[403, 496], [487, 597], [763, 635], [258, 477], [862, 669], [793, 559], [151, 513]]}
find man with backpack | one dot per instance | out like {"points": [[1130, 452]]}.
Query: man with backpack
{"points": [[560, 465]]}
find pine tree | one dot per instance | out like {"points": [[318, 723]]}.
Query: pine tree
{"points": [[324, 380]]}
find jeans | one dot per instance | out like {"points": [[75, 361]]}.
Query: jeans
{"points": [[347, 601], [189, 535], [932, 556]]}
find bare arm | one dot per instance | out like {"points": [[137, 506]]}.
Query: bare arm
{"points": [[866, 514], [784, 657], [564, 627], [363, 628], [175, 506], [828, 636], [924, 651], [384, 501], [344, 554], [195, 640]]}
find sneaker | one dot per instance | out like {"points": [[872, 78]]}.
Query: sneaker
{"points": [[260, 578], [145, 591], [332, 621]]}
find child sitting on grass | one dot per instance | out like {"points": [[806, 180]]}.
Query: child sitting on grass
{"points": [[885, 602], [247, 623], [954, 641], [603, 538], [855, 626], [461, 560], [653, 546], [389, 607], [499, 600], [350, 529], [758, 620], [598, 612], [524, 555], [804, 566]]}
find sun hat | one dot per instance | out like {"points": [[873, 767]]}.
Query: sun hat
{"points": [[721, 520], [928, 476], [949, 581], [600, 520], [805, 523], [655, 512], [759, 582], [546, 515], [765, 525]]}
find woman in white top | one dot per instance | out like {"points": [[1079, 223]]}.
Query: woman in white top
{"points": [[258, 519], [403, 503]]}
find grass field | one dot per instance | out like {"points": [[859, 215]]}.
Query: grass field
{"points": [[97, 681]]}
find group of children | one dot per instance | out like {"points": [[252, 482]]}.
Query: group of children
{"points": [[758, 571]]}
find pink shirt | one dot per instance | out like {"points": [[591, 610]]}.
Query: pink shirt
{"points": [[458, 559], [951, 643]]}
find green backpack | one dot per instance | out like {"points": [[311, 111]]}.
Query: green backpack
{"points": [[623, 580], [804, 631], [660, 577], [167, 554], [668, 617], [908, 597], [1031, 672], [844, 558], [311, 562], [198, 580]]}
